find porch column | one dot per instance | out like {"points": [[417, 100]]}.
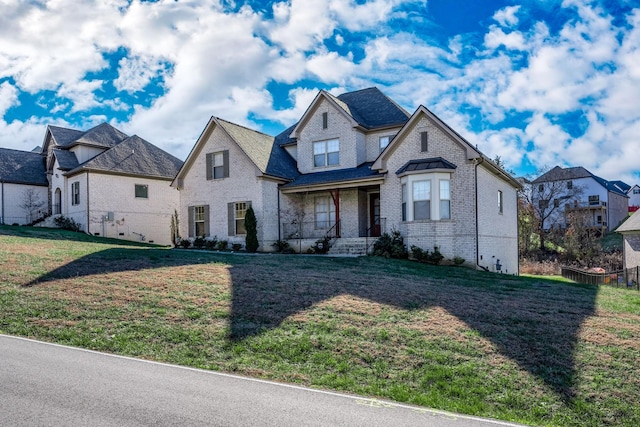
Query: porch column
{"points": [[335, 195]]}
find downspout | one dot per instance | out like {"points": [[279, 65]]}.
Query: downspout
{"points": [[2, 202], [279, 219], [480, 160], [88, 232]]}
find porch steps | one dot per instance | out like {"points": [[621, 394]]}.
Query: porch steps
{"points": [[349, 246]]}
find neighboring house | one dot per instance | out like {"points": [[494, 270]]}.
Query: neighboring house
{"points": [[634, 198], [604, 203], [353, 167], [112, 184], [630, 231], [23, 187]]}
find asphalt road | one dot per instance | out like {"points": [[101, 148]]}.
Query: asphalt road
{"points": [[45, 384]]}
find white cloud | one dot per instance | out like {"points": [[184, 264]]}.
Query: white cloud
{"points": [[8, 97], [136, 73], [507, 17]]}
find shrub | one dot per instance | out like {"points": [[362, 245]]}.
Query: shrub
{"points": [[435, 257], [421, 255], [321, 246], [390, 246], [199, 242], [222, 245], [211, 243], [236, 246], [251, 225], [458, 260], [184, 243], [282, 246], [67, 223]]}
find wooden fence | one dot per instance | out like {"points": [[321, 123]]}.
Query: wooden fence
{"points": [[629, 278]]}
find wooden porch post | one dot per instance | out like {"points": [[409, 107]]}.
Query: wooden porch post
{"points": [[335, 195]]}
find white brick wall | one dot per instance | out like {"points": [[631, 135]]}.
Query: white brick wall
{"points": [[373, 142], [12, 196], [133, 217], [497, 233], [243, 184], [454, 237], [339, 126]]}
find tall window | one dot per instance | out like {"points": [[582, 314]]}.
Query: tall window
{"points": [[142, 191], [424, 141], [199, 220], [384, 141], [445, 199], [500, 202], [75, 193], [325, 212], [569, 185], [218, 165], [240, 213], [421, 200], [404, 202], [326, 153], [325, 120]]}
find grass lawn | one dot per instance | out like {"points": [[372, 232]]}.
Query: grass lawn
{"points": [[525, 349]]}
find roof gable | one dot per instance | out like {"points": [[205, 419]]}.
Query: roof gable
{"points": [[22, 167], [67, 160], [632, 224], [332, 100], [103, 135]]}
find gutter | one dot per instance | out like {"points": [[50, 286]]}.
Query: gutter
{"points": [[2, 202], [88, 216], [475, 170]]}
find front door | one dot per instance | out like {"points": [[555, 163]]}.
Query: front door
{"points": [[374, 214]]}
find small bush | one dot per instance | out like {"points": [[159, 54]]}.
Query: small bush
{"points": [[223, 245], [458, 260], [211, 243], [422, 255], [281, 246], [321, 246], [199, 242], [184, 243], [236, 247], [390, 246], [435, 257], [67, 223]]}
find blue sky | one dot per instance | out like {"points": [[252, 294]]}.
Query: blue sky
{"points": [[538, 83]]}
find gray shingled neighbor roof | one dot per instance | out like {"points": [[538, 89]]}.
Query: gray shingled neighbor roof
{"points": [[67, 160], [64, 136], [22, 167], [631, 224], [564, 174], [103, 135], [134, 156]]}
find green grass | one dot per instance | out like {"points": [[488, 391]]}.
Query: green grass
{"points": [[534, 350]]}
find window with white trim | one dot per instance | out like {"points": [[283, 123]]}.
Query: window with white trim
{"points": [[218, 165], [384, 141], [326, 153], [421, 192], [240, 213], [500, 202], [75, 193], [325, 212], [404, 202], [445, 199], [199, 220]]}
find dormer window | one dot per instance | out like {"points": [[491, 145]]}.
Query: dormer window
{"points": [[384, 141], [326, 153]]}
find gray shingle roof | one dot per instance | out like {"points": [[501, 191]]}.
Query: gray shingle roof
{"points": [[64, 136], [256, 145], [134, 156], [103, 135], [563, 174], [22, 167], [631, 224], [373, 109], [67, 160], [426, 164], [361, 172]]}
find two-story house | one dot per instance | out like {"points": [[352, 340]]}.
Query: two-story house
{"points": [[576, 190], [634, 197], [354, 166], [111, 184], [23, 186]]}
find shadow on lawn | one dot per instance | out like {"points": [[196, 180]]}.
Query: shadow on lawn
{"points": [[534, 324]]}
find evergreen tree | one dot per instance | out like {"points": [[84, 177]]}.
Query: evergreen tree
{"points": [[251, 226]]}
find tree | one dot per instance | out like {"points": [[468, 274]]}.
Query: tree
{"points": [[31, 204], [251, 226], [175, 228], [579, 240], [547, 200]]}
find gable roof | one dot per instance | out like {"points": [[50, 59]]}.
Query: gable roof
{"points": [[133, 156], [564, 174], [103, 135], [631, 224], [22, 167], [67, 160], [63, 136]]}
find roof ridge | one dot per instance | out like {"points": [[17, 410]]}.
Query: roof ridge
{"points": [[242, 126]]}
